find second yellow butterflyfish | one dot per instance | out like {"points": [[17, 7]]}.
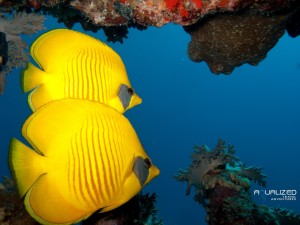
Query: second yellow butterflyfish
{"points": [[76, 65], [86, 157]]}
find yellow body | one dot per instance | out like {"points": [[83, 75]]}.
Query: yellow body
{"points": [[82, 161], [75, 65]]}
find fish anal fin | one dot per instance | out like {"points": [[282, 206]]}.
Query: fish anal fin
{"points": [[47, 205]]}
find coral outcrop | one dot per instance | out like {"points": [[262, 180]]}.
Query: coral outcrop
{"points": [[224, 33], [227, 41], [155, 13], [11, 27], [152, 13], [222, 184]]}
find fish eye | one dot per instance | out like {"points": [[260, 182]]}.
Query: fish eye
{"points": [[130, 91], [147, 163]]}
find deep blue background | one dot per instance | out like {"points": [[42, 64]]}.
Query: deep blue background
{"points": [[255, 108]]}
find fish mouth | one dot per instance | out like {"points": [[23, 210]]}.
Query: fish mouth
{"points": [[155, 171], [137, 100]]}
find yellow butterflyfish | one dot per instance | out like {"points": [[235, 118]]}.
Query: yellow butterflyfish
{"points": [[76, 65], [86, 157]]}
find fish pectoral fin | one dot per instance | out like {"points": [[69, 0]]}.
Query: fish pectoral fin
{"points": [[31, 77]]}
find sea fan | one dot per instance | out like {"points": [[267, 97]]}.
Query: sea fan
{"points": [[13, 26]]}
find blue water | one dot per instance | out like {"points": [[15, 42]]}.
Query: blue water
{"points": [[255, 108]]}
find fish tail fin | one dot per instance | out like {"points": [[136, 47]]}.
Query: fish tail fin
{"points": [[31, 77], [25, 164]]}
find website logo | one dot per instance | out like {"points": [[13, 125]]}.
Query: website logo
{"points": [[277, 195]]}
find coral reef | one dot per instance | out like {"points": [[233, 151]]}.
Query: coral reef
{"points": [[70, 16], [140, 210], [227, 41], [219, 166], [225, 34], [156, 13], [149, 12], [13, 26], [222, 184]]}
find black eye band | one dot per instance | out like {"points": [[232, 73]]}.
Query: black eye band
{"points": [[147, 163]]}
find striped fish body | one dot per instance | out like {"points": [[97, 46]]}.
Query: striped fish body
{"points": [[83, 161], [75, 65]]}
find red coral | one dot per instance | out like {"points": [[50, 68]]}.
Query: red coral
{"points": [[223, 3], [172, 4], [182, 8], [184, 12], [198, 3]]}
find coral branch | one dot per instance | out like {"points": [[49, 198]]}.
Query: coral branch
{"points": [[222, 184]]}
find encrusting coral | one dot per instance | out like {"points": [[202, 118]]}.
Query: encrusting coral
{"points": [[139, 211], [222, 184], [227, 41], [13, 26]]}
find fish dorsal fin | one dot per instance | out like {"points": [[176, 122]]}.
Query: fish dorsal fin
{"points": [[53, 49], [52, 123]]}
